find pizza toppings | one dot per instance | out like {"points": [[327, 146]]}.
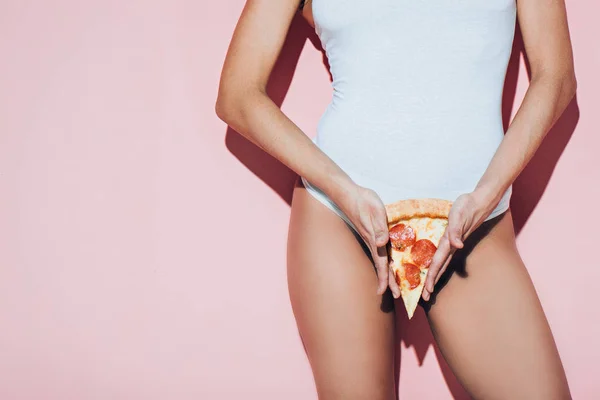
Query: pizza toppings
{"points": [[402, 236], [413, 275], [422, 252], [416, 227]]}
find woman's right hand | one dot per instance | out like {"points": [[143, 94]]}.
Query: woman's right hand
{"points": [[365, 209]]}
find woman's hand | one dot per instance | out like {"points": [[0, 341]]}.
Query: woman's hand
{"points": [[366, 211], [468, 211]]}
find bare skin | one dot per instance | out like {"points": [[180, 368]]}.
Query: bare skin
{"points": [[347, 329], [498, 346]]}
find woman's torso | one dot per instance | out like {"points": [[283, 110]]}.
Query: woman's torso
{"points": [[417, 91]]}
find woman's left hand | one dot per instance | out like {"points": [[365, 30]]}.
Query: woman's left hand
{"points": [[468, 211]]}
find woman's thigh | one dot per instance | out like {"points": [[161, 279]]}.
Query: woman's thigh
{"points": [[489, 323], [347, 329]]}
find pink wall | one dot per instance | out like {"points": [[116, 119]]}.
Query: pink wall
{"points": [[119, 189]]}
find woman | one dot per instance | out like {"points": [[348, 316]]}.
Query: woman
{"points": [[416, 112]]}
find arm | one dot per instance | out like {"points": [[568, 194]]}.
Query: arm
{"points": [[243, 104], [545, 32]]}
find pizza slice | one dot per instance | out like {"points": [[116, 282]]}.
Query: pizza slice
{"points": [[416, 227]]}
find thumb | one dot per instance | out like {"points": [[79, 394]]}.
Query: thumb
{"points": [[455, 236], [380, 229], [381, 236]]}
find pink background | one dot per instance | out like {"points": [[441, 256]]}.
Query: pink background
{"points": [[142, 243]]}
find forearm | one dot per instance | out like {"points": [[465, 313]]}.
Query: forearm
{"points": [[544, 102], [257, 118]]}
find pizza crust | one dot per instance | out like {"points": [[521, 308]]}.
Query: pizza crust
{"points": [[423, 208]]}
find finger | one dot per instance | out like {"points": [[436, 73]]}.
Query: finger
{"points": [[380, 256], [395, 288], [428, 290], [381, 265], [455, 234], [456, 242], [444, 267], [380, 228], [438, 260]]}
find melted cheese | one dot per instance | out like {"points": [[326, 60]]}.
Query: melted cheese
{"points": [[425, 228], [428, 228]]}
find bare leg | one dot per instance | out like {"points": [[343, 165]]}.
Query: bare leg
{"points": [[347, 329], [489, 324]]}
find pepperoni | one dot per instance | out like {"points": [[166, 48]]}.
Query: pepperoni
{"points": [[402, 236], [413, 275], [422, 252]]}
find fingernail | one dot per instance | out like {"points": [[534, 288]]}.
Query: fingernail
{"points": [[396, 295]]}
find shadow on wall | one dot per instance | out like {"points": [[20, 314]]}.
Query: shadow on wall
{"points": [[527, 190], [279, 177], [532, 182]]}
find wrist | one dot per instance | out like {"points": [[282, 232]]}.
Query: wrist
{"points": [[487, 197], [340, 187]]}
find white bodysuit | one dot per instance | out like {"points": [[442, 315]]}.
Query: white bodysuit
{"points": [[417, 92]]}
